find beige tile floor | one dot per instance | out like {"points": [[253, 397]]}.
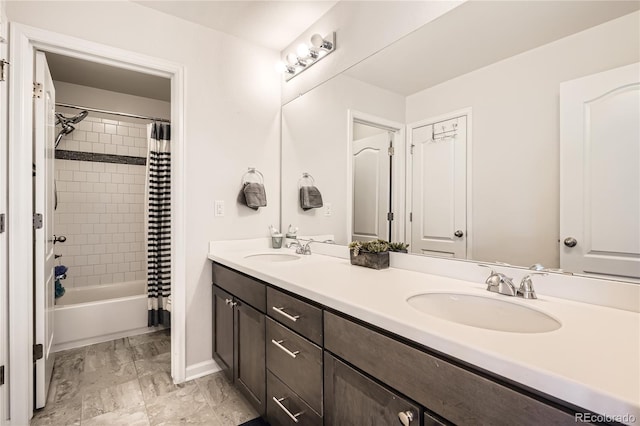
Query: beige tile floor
{"points": [[128, 382]]}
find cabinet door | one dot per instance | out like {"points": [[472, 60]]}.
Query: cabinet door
{"points": [[352, 399], [223, 330], [250, 372]]}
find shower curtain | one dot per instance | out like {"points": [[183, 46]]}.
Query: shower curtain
{"points": [[158, 223]]}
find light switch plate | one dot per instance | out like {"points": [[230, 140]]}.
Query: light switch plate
{"points": [[219, 208]]}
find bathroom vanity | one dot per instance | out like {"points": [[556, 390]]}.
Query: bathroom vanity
{"points": [[314, 340]]}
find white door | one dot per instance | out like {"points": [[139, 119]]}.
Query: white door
{"points": [[371, 187], [439, 188], [44, 290], [600, 173]]}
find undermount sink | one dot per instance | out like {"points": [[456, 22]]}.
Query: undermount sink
{"points": [[274, 257], [484, 312]]}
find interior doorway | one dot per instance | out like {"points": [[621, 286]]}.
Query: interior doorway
{"points": [[91, 184], [25, 42], [376, 168]]}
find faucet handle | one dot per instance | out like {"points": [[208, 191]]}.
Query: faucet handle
{"points": [[526, 289]]}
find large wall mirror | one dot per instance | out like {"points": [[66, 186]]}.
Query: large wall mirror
{"points": [[454, 140]]}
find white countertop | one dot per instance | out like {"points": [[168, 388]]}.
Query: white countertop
{"points": [[592, 361]]}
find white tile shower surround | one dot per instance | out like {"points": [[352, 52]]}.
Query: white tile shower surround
{"points": [[101, 205]]}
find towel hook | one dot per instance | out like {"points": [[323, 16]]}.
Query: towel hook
{"points": [[252, 172], [306, 176]]}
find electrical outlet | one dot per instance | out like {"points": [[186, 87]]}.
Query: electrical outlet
{"points": [[219, 208], [328, 210]]}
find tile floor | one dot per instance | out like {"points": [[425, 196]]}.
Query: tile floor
{"points": [[128, 382]]}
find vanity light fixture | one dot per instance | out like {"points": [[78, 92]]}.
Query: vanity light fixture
{"points": [[305, 55]]}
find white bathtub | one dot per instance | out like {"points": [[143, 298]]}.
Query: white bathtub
{"points": [[94, 314]]}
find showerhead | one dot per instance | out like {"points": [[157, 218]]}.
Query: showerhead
{"points": [[61, 119], [66, 129], [78, 118]]}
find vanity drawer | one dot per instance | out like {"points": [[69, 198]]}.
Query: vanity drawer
{"points": [[244, 288], [299, 316], [289, 401], [297, 362], [452, 392]]}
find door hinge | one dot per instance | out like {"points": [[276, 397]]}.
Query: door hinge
{"points": [[411, 217], [1, 375], [411, 149], [38, 351], [2, 224], [391, 151], [3, 69], [37, 220], [390, 216], [37, 90]]}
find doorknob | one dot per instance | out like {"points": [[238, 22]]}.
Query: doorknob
{"points": [[458, 233], [570, 242], [59, 239]]}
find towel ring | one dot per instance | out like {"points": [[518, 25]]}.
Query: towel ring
{"points": [[306, 177], [252, 173]]}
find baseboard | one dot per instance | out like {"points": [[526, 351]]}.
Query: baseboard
{"points": [[201, 369]]}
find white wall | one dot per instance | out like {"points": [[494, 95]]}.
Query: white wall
{"points": [[516, 136], [315, 140], [362, 28], [231, 122]]}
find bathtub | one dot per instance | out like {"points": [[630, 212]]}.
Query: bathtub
{"points": [[100, 313]]}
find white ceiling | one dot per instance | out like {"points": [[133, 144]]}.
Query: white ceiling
{"points": [[105, 77], [272, 24], [477, 34]]}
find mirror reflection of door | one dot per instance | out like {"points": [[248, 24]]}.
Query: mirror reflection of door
{"points": [[439, 188], [371, 150], [600, 173]]}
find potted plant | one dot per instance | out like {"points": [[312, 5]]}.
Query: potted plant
{"points": [[399, 247], [370, 254]]}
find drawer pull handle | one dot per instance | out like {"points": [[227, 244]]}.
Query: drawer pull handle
{"points": [[278, 343], [294, 417], [281, 311]]}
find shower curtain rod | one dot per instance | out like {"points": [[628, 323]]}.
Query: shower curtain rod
{"points": [[122, 114]]}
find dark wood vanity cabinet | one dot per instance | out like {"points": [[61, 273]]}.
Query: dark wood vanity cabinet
{"points": [[304, 364], [294, 360], [239, 333], [352, 399], [455, 393]]}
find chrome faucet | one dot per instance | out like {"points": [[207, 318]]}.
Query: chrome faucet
{"points": [[499, 283], [300, 248]]}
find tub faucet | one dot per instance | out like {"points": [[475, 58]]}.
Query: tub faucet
{"points": [[300, 248]]}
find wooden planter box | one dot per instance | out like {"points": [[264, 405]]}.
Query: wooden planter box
{"points": [[370, 260]]}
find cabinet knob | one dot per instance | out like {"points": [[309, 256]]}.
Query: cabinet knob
{"points": [[406, 417]]}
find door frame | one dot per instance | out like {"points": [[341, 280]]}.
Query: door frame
{"points": [[397, 167], [469, 162], [24, 41], [4, 306]]}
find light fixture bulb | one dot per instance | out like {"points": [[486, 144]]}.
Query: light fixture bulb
{"points": [[319, 42], [292, 59], [302, 50]]}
